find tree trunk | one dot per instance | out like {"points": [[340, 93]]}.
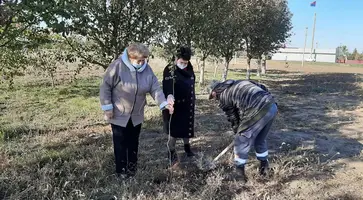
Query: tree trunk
{"points": [[235, 58], [198, 64], [215, 69], [248, 71], [225, 71], [264, 64], [201, 77], [259, 68]]}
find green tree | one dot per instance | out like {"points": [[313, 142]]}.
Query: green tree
{"points": [[192, 23], [344, 52], [279, 30], [100, 30], [47, 58], [206, 37], [20, 20], [267, 26], [12, 63], [229, 32], [361, 56], [344, 49], [355, 54], [20, 32], [183, 23]]}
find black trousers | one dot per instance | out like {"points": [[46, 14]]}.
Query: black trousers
{"points": [[126, 145]]}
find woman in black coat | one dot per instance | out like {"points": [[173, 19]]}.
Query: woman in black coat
{"points": [[179, 84]]}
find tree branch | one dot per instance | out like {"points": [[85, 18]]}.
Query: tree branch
{"points": [[13, 38], [8, 23], [82, 56]]}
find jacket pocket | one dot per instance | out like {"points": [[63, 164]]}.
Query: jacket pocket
{"points": [[142, 107], [120, 108]]}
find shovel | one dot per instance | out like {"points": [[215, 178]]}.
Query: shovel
{"points": [[210, 165]]}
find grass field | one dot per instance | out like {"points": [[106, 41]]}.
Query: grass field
{"points": [[54, 143]]}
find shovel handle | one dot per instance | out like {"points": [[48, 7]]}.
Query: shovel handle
{"points": [[223, 152]]}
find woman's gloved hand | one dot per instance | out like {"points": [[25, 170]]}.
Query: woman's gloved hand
{"points": [[170, 99], [234, 126]]}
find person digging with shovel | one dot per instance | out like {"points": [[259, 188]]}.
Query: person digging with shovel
{"points": [[251, 110]]}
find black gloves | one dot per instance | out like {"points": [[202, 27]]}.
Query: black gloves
{"points": [[234, 127]]}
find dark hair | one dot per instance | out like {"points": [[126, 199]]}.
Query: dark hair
{"points": [[184, 53]]}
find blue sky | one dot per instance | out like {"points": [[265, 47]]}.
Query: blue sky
{"points": [[337, 22]]}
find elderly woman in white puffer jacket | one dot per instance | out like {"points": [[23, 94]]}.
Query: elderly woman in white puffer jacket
{"points": [[123, 97]]}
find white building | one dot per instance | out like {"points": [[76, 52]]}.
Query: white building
{"points": [[296, 54]]}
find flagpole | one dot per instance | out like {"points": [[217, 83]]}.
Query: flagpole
{"points": [[312, 41], [303, 57]]}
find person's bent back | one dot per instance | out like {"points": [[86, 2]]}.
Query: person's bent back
{"points": [[251, 109], [245, 102]]}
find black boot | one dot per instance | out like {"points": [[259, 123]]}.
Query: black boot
{"points": [[173, 158], [188, 151], [263, 167], [239, 174]]}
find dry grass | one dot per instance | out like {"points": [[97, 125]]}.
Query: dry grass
{"points": [[55, 145]]}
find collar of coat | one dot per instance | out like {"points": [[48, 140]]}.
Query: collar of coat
{"points": [[125, 59]]}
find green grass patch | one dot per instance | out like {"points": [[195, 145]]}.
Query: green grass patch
{"points": [[50, 108]]}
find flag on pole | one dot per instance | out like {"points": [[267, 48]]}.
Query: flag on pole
{"points": [[313, 4]]}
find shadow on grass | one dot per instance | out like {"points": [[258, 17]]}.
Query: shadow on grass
{"points": [[83, 87], [14, 133], [8, 134]]}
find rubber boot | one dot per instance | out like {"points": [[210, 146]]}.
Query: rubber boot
{"points": [[239, 174], [188, 151], [263, 167]]}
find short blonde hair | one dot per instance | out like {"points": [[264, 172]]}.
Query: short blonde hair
{"points": [[137, 51]]}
